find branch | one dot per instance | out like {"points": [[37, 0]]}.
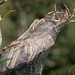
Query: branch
{"points": [[29, 52]]}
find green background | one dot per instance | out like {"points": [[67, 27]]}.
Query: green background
{"points": [[62, 55]]}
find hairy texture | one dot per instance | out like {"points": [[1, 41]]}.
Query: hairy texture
{"points": [[28, 53]]}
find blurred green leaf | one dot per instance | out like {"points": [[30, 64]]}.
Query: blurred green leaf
{"points": [[4, 60], [5, 13]]}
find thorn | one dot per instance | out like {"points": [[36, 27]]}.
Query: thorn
{"points": [[74, 12], [66, 14], [62, 11], [67, 10], [62, 15], [71, 20], [49, 13], [56, 11], [53, 16], [56, 20]]}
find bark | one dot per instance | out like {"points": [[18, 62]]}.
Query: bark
{"points": [[35, 67], [32, 62]]}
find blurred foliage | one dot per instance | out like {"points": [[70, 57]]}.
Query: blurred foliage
{"points": [[1, 61], [62, 55], [4, 14]]}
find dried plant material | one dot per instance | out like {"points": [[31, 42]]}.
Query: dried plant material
{"points": [[56, 11], [63, 18], [67, 10], [31, 47], [49, 13]]}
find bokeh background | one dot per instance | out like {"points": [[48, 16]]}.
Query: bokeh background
{"points": [[62, 55]]}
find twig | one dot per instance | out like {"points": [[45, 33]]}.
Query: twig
{"points": [[71, 69]]}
